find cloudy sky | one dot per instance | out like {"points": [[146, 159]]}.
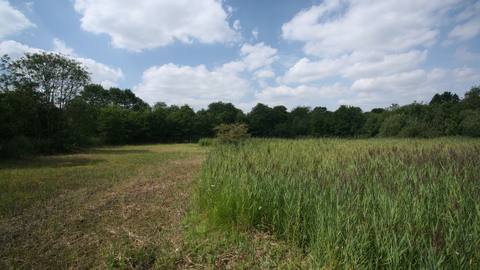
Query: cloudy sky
{"points": [[365, 53]]}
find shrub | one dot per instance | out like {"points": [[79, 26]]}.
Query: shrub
{"points": [[206, 142], [232, 133]]}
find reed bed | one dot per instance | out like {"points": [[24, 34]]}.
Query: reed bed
{"points": [[361, 204]]}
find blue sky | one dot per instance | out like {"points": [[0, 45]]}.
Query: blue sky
{"points": [[365, 53]]}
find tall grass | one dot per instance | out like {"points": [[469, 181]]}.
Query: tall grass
{"points": [[378, 203]]}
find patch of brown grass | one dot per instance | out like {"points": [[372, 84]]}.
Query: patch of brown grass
{"points": [[128, 217]]}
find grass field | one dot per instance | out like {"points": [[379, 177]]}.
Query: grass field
{"points": [[264, 204], [352, 204]]}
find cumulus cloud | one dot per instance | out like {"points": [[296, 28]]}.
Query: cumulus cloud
{"points": [[396, 82], [353, 66], [303, 94], [137, 25], [199, 86], [11, 20], [15, 49], [336, 27], [178, 84], [100, 73], [253, 58], [61, 47], [258, 55]]}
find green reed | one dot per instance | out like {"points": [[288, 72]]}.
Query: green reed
{"points": [[377, 203]]}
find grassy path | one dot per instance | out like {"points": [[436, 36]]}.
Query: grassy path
{"points": [[112, 208]]}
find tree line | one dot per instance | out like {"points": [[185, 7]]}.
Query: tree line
{"points": [[48, 105]]}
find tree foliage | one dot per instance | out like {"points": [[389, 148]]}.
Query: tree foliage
{"points": [[46, 104]]}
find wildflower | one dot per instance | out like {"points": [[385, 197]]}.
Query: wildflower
{"points": [[336, 247], [260, 208], [212, 185]]}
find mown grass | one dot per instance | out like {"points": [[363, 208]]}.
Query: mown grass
{"points": [[351, 204], [111, 208]]}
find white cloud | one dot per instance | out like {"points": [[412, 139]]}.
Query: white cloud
{"points": [[467, 30], [370, 100], [306, 71], [177, 84], [199, 86], [373, 63], [467, 75], [61, 47], [236, 25], [392, 83], [100, 73], [29, 6], [337, 27], [401, 88], [15, 49], [258, 55], [469, 12], [11, 20], [264, 73], [255, 33], [354, 66], [437, 74], [137, 25], [463, 54], [303, 94], [256, 58]]}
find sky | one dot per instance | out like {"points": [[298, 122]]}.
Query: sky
{"points": [[363, 53]]}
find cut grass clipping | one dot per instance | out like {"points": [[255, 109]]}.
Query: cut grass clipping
{"points": [[114, 208], [352, 204]]}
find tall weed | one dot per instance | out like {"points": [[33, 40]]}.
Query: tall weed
{"points": [[378, 203]]}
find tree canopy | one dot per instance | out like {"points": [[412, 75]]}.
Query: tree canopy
{"points": [[47, 105]]}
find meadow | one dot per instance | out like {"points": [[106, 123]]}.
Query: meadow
{"points": [[352, 204], [260, 204]]}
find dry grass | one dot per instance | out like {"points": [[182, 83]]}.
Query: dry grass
{"points": [[113, 208]]}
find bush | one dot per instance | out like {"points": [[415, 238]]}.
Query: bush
{"points": [[232, 133], [206, 142], [22, 147]]}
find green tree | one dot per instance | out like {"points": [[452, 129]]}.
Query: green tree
{"points": [[180, 124], [112, 125], [445, 97], [57, 78], [392, 125], [349, 121], [157, 123], [470, 123], [472, 99], [319, 122], [204, 124], [299, 121], [126, 99], [262, 119], [223, 113], [95, 96]]}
